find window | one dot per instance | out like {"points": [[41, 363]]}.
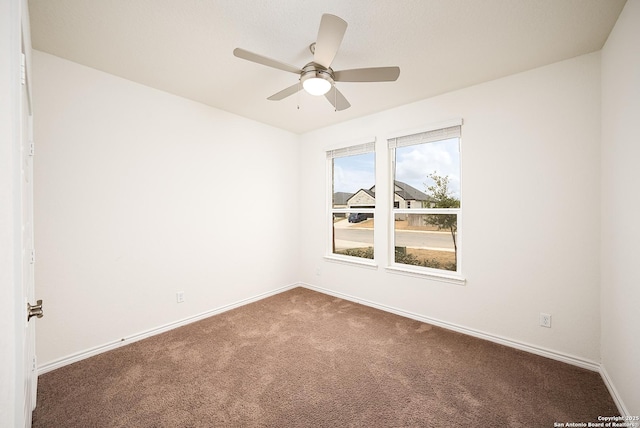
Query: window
{"points": [[352, 173], [426, 201]]}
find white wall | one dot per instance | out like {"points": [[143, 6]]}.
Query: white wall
{"points": [[620, 206], [140, 194], [530, 202]]}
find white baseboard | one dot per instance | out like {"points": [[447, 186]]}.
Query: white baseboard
{"points": [[154, 331], [555, 355], [614, 392]]}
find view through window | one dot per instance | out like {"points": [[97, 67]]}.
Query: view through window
{"points": [[426, 199], [353, 200]]}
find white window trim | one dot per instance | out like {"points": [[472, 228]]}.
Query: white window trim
{"points": [[361, 146], [419, 271], [350, 260], [423, 272]]}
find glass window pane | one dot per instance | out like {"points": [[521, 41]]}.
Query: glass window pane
{"points": [[353, 235], [419, 166], [354, 181], [427, 240]]}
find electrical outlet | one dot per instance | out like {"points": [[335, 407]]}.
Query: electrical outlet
{"points": [[545, 320], [180, 296]]}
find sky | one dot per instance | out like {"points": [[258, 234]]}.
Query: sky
{"points": [[352, 173], [413, 165]]}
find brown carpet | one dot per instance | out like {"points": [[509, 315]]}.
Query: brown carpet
{"points": [[306, 359]]}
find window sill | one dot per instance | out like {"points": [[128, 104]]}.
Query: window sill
{"points": [[436, 276], [353, 261]]}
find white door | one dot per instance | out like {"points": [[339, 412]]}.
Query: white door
{"points": [[28, 249], [16, 219]]}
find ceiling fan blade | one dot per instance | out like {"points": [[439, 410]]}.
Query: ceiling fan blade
{"points": [[285, 92], [330, 34], [374, 74], [337, 100], [253, 57]]}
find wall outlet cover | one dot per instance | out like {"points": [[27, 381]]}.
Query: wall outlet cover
{"points": [[545, 320]]}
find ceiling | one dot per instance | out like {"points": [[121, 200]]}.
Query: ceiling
{"points": [[185, 47]]}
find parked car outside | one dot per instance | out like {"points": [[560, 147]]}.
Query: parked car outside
{"points": [[357, 217]]}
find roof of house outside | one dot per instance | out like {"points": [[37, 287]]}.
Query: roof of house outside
{"points": [[340, 198], [406, 192]]}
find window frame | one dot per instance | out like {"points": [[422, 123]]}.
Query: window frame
{"points": [[421, 271], [363, 146]]}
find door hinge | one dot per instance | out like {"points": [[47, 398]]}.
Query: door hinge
{"points": [[32, 148], [32, 258], [23, 69], [35, 310]]}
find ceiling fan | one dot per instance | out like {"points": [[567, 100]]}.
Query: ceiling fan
{"points": [[317, 77]]}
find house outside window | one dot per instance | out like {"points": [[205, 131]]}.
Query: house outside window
{"points": [[352, 202], [425, 225]]}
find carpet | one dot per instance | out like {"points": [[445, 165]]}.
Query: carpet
{"points": [[306, 359]]}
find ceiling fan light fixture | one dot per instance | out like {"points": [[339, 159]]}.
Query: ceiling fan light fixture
{"points": [[316, 81], [316, 86]]}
